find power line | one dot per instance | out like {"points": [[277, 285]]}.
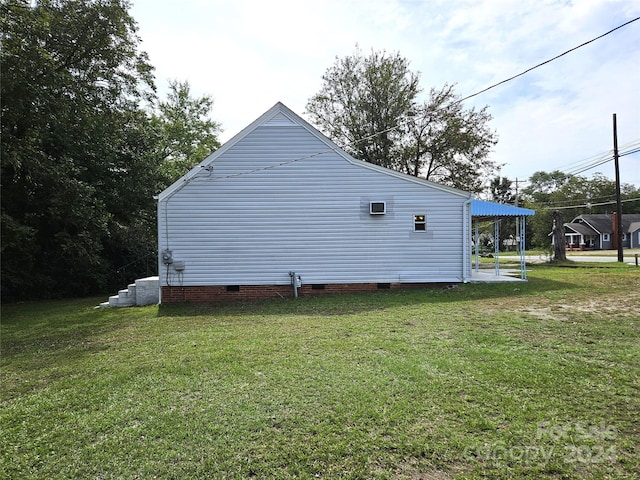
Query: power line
{"points": [[589, 205], [581, 163], [592, 165], [581, 166], [602, 159], [632, 143], [548, 61], [586, 200], [630, 148], [629, 152], [441, 108]]}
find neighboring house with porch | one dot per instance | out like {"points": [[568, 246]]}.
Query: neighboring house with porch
{"points": [[598, 231]]}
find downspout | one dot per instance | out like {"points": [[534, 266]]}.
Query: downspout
{"points": [[466, 241], [163, 213], [157, 199]]}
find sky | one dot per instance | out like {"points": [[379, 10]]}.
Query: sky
{"points": [[249, 54]]}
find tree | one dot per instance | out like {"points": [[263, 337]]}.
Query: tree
{"points": [[542, 185], [559, 244], [500, 190], [363, 104], [572, 196], [75, 167], [83, 152], [448, 144], [187, 134], [369, 106]]}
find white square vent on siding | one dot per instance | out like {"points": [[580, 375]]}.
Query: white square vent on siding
{"points": [[377, 208]]}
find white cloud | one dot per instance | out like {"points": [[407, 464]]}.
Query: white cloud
{"points": [[250, 54]]}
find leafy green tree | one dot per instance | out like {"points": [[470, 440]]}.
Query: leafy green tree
{"points": [[445, 143], [369, 105], [187, 133], [76, 171], [363, 103], [542, 189], [544, 184], [501, 190], [572, 196]]}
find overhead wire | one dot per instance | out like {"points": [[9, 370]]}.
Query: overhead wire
{"points": [[601, 159], [630, 152], [590, 166], [581, 166], [550, 60], [557, 204], [373, 135], [574, 200], [587, 205]]}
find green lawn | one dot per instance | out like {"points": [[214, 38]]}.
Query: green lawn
{"points": [[518, 380]]}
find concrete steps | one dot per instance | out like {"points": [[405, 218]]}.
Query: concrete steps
{"points": [[145, 291]]}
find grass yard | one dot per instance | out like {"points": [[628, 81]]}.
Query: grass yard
{"points": [[516, 380]]}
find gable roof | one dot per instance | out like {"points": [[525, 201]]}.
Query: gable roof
{"points": [[602, 222], [581, 228], [281, 116]]}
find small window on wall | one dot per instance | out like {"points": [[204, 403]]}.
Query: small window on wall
{"points": [[605, 237], [420, 223]]}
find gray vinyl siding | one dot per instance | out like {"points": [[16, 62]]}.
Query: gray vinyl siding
{"points": [[272, 204]]}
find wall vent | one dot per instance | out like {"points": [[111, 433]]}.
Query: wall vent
{"points": [[377, 208]]}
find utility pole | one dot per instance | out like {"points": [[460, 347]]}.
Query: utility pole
{"points": [[618, 199]]}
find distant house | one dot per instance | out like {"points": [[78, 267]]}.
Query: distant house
{"points": [[598, 231], [280, 210]]}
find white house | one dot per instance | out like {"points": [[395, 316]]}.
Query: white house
{"points": [[282, 210]]}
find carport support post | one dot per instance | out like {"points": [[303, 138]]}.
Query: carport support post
{"points": [[496, 245], [477, 244], [521, 234]]}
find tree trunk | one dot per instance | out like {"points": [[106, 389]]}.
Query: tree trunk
{"points": [[559, 247]]}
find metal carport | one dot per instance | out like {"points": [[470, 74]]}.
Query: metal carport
{"points": [[483, 210]]}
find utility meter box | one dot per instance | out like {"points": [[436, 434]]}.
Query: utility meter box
{"points": [[178, 265]]}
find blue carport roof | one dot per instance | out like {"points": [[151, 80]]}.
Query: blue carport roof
{"points": [[482, 208]]}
